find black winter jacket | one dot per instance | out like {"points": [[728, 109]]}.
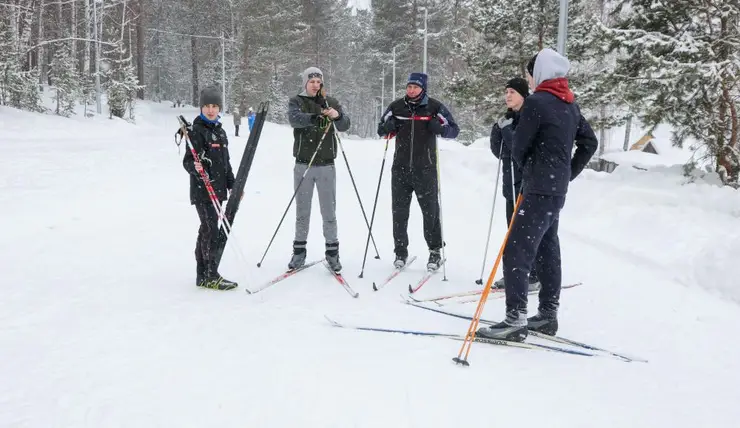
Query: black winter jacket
{"points": [[416, 144], [543, 143], [212, 147], [502, 135], [304, 115]]}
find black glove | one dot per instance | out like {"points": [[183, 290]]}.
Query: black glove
{"points": [[435, 126], [388, 126]]}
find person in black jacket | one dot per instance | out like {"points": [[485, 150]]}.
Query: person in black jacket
{"points": [[212, 147], [311, 113], [549, 124], [502, 133], [416, 120]]}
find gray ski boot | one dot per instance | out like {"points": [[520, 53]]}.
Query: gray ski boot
{"points": [[299, 255], [332, 256]]}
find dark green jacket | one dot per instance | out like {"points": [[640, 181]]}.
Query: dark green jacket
{"points": [[304, 115]]}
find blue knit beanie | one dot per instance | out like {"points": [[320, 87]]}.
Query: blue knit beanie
{"points": [[418, 79]]}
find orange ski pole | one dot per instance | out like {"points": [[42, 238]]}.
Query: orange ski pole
{"points": [[472, 329]]}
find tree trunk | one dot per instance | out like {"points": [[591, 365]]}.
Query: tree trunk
{"points": [[627, 130], [86, 62], [194, 60], [41, 58]]}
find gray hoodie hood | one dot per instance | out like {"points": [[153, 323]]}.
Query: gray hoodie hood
{"points": [[549, 65]]}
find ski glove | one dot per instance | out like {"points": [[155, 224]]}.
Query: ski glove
{"points": [[504, 122], [435, 126], [388, 126]]}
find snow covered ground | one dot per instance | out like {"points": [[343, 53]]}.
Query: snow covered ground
{"points": [[101, 324]]}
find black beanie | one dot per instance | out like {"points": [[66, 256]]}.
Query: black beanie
{"points": [[211, 95], [520, 85], [530, 65]]}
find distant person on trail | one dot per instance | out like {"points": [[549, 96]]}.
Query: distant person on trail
{"points": [[250, 118], [311, 114], [502, 134], [237, 121], [416, 120], [549, 123], [210, 143]]}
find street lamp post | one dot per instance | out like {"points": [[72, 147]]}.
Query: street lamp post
{"points": [[426, 15], [393, 88], [223, 71], [382, 90], [563, 26]]}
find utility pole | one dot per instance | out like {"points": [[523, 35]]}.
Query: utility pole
{"points": [[223, 70], [426, 15], [382, 86], [563, 27], [393, 89]]}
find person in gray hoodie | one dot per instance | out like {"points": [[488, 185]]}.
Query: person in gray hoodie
{"points": [[550, 123], [314, 118]]}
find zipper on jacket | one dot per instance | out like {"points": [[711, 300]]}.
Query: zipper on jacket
{"points": [[411, 154], [300, 142]]}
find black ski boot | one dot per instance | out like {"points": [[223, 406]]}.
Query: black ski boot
{"points": [[543, 323], [400, 261], [332, 256], [299, 255], [215, 281], [513, 328], [435, 259]]}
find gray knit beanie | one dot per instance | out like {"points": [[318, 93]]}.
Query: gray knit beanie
{"points": [[211, 95], [310, 73]]}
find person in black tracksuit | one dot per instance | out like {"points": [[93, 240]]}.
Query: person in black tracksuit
{"points": [[549, 124], [416, 120], [212, 147], [502, 134]]}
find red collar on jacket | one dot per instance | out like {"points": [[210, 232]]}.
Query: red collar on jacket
{"points": [[559, 88]]}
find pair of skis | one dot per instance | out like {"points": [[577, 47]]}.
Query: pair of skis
{"points": [[582, 349], [469, 296], [412, 288], [287, 274]]}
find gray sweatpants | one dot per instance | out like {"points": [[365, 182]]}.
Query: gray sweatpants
{"points": [[325, 179]]}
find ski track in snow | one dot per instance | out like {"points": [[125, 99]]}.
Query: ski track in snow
{"points": [[101, 324]]}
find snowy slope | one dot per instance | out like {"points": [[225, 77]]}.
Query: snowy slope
{"points": [[101, 324]]}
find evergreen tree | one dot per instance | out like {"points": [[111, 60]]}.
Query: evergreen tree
{"points": [[66, 81], [678, 64]]}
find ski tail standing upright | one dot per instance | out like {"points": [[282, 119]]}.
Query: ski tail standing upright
{"points": [[416, 120], [310, 114], [549, 124], [210, 143], [502, 134]]}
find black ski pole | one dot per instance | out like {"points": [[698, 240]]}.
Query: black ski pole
{"points": [[310, 162], [362, 208], [375, 205]]}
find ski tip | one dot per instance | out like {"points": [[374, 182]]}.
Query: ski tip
{"points": [[332, 322], [461, 362]]}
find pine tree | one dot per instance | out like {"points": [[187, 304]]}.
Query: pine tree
{"points": [[686, 75], [121, 82], [66, 81], [18, 87]]}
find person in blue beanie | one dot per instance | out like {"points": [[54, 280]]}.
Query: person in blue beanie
{"points": [[210, 143], [416, 120]]}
